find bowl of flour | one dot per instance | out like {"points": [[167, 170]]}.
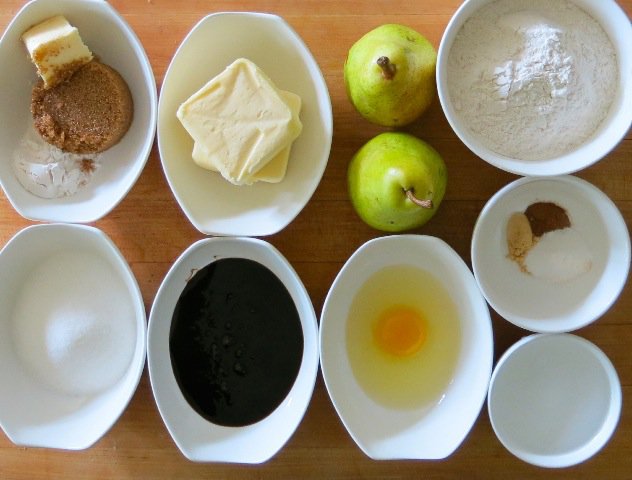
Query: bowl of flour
{"points": [[72, 336], [537, 87]]}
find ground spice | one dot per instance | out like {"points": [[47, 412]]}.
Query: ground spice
{"points": [[524, 230], [545, 217], [520, 238]]}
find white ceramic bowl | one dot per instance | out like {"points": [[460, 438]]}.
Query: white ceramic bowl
{"points": [[616, 124], [425, 432], [213, 205], [32, 413], [554, 399], [537, 304], [198, 439], [107, 34]]}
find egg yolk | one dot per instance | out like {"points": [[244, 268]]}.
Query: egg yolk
{"points": [[400, 331]]}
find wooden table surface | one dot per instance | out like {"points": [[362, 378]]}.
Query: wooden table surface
{"points": [[151, 231]]}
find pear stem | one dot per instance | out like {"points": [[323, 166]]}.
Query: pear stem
{"points": [[388, 69], [422, 203]]}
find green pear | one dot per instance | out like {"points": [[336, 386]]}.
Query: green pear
{"points": [[396, 182], [390, 75]]}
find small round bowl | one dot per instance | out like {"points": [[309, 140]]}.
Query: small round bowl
{"points": [[616, 24], [109, 37], [535, 303], [554, 400], [197, 438], [432, 430], [213, 205], [32, 412]]}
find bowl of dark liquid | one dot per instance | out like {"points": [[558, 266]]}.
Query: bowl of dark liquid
{"points": [[234, 354]]}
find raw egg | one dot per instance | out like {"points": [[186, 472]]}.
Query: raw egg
{"points": [[403, 337], [400, 331]]}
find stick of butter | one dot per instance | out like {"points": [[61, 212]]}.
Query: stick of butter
{"points": [[56, 49], [271, 172], [240, 121]]}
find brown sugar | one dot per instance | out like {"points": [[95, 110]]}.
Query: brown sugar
{"points": [[88, 113]]}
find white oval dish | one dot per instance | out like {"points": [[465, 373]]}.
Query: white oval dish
{"points": [[198, 439], [616, 24], [554, 399], [213, 205], [33, 414], [537, 304], [423, 433], [109, 36]]}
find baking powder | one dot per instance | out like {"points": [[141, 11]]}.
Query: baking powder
{"points": [[48, 172], [532, 79]]}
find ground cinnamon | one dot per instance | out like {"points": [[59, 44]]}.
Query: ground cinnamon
{"points": [[545, 217], [525, 229]]}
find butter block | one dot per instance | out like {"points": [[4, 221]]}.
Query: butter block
{"points": [[271, 172], [240, 121], [56, 49]]}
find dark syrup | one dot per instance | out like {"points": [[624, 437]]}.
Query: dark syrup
{"points": [[236, 342]]}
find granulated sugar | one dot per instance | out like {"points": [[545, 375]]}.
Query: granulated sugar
{"points": [[559, 256], [74, 325], [532, 79]]}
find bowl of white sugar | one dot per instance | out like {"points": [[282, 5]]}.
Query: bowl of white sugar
{"points": [[72, 336], [537, 87]]}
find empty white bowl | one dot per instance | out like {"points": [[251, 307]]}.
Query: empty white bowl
{"points": [[213, 205], [429, 431], [197, 438], [554, 400], [616, 24], [38, 412], [109, 37], [535, 303]]}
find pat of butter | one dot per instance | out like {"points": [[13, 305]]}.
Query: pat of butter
{"points": [[56, 49], [271, 172], [240, 121]]}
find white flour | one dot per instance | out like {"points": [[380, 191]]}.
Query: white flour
{"points": [[48, 172], [533, 79]]}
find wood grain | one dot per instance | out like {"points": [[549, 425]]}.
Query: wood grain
{"points": [[151, 231]]}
